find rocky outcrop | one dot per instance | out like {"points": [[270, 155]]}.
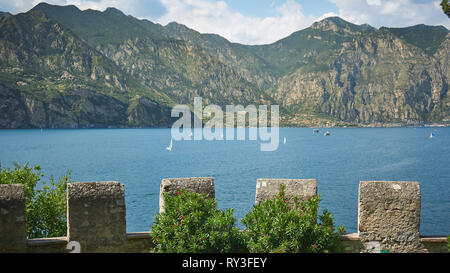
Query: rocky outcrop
{"points": [[378, 78], [13, 112], [146, 113], [61, 67], [77, 109]]}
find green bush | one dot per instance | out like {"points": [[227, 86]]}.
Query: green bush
{"points": [[192, 223], [445, 7], [448, 244], [45, 207], [277, 225]]}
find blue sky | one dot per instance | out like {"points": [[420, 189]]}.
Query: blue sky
{"points": [[264, 8], [260, 21]]}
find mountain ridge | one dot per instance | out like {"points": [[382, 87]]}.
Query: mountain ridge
{"points": [[333, 73]]}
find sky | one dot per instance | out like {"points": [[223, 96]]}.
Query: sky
{"points": [[260, 21]]}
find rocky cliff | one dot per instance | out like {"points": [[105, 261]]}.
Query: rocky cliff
{"points": [[377, 78], [61, 67]]}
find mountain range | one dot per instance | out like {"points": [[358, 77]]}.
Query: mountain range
{"points": [[61, 67]]}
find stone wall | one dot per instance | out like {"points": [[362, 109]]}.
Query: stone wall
{"points": [[300, 188], [12, 218], [204, 185], [96, 215], [388, 217]]}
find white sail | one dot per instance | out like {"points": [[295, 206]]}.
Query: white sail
{"points": [[170, 146]]}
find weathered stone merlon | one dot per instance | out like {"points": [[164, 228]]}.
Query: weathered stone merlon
{"points": [[203, 185], [389, 216], [12, 218], [269, 188], [96, 215]]}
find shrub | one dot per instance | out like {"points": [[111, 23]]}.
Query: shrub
{"points": [[446, 7], [277, 226], [448, 244], [192, 223], [45, 207]]}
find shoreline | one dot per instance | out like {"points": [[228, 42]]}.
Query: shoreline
{"points": [[306, 127]]}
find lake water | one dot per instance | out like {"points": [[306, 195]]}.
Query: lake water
{"points": [[138, 159]]}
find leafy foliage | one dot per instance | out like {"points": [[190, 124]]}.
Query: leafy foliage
{"points": [[446, 7], [448, 243], [192, 223], [277, 226], [45, 207]]}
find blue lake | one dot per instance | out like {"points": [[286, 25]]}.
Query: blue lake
{"points": [[138, 159]]}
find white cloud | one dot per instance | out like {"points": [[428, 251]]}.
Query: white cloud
{"points": [[215, 16], [206, 16], [374, 2], [390, 8], [211, 16], [149, 9], [392, 13]]}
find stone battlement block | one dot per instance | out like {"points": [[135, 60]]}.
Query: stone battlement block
{"points": [[96, 215], [269, 188], [389, 216], [203, 185], [13, 231]]}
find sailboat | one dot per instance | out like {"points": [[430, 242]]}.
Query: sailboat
{"points": [[170, 146], [432, 135], [285, 140]]}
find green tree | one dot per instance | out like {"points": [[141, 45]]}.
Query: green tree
{"points": [[448, 244], [446, 7], [45, 206], [192, 223], [277, 225]]}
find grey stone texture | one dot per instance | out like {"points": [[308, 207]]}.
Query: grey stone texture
{"points": [[12, 218], [389, 216], [269, 188], [96, 215], [352, 243], [143, 244], [204, 185]]}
